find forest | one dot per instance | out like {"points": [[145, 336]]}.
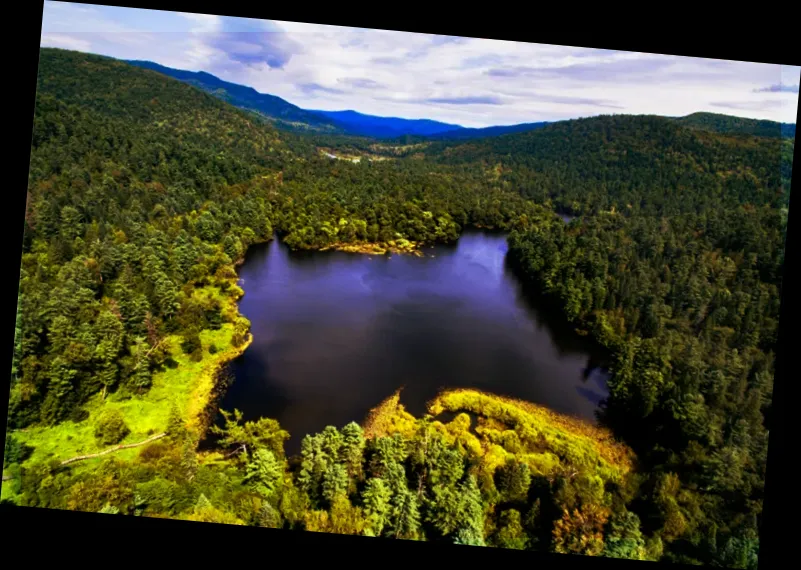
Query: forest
{"points": [[145, 193]]}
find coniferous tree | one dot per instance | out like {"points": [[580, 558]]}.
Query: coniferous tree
{"points": [[264, 473], [376, 498]]}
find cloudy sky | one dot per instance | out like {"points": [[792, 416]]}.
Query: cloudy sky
{"points": [[467, 81]]}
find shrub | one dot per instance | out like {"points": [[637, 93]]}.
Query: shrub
{"points": [[213, 349], [110, 428], [15, 451], [191, 343]]}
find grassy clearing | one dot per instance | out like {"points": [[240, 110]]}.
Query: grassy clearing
{"points": [[188, 385], [548, 442], [400, 246]]}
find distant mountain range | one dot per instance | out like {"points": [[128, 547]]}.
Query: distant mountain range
{"points": [[282, 112], [386, 127], [291, 117], [464, 133]]}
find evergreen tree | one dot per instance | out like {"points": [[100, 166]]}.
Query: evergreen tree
{"points": [[406, 517], [511, 533], [352, 450], [377, 507], [335, 482], [269, 517], [264, 473], [514, 480]]}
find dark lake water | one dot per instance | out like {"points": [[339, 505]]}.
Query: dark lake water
{"points": [[336, 333]]}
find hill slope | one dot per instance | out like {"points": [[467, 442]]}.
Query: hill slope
{"points": [[285, 113], [129, 170], [291, 116], [640, 163], [727, 124]]}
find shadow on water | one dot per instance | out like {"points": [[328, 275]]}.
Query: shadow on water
{"points": [[548, 314]]}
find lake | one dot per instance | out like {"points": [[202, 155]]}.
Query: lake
{"points": [[336, 333]]}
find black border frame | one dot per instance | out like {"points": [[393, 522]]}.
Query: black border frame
{"points": [[77, 536]]}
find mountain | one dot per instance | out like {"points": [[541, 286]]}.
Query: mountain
{"points": [[727, 124], [468, 133], [282, 112], [292, 117], [386, 127]]}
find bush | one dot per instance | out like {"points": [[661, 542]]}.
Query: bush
{"points": [[191, 343], [110, 428], [213, 349], [15, 452]]}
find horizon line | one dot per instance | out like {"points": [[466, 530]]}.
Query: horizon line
{"points": [[458, 126]]}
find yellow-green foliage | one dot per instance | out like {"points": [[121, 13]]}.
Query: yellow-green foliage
{"points": [[188, 385], [388, 418], [214, 515], [547, 441], [343, 518]]}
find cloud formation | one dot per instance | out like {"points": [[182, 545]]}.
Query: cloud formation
{"points": [[469, 100], [254, 42], [313, 88], [764, 105], [467, 81], [778, 88], [360, 82], [618, 70]]}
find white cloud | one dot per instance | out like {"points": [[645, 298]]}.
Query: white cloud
{"points": [[66, 41], [415, 75]]}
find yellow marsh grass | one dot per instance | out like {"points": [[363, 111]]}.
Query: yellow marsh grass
{"points": [[549, 442]]}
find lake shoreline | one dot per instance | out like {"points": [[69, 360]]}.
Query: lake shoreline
{"points": [[259, 390]]}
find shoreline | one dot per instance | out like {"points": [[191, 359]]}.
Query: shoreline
{"points": [[377, 248]]}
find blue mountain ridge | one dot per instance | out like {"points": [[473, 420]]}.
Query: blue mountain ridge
{"points": [[351, 122]]}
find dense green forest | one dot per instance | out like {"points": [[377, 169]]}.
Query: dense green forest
{"points": [[145, 192], [731, 125]]}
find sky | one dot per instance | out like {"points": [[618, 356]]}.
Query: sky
{"points": [[466, 81]]}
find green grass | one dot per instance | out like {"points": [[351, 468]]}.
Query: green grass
{"points": [[188, 385]]}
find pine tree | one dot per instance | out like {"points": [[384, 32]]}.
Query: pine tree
{"points": [[264, 473], [406, 516], [376, 499], [202, 502], [352, 450], [514, 480], [511, 533], [471, 514], [176, 428], [269, 517], [335, 482], [189, 462], [623, 537]]}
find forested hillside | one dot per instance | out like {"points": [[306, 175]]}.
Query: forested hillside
{"points": [[737, 125], [144, 193], [634, 164], [284, 113]]}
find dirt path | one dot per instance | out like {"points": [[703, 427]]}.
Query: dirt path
{"points": [[112, 449]]}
